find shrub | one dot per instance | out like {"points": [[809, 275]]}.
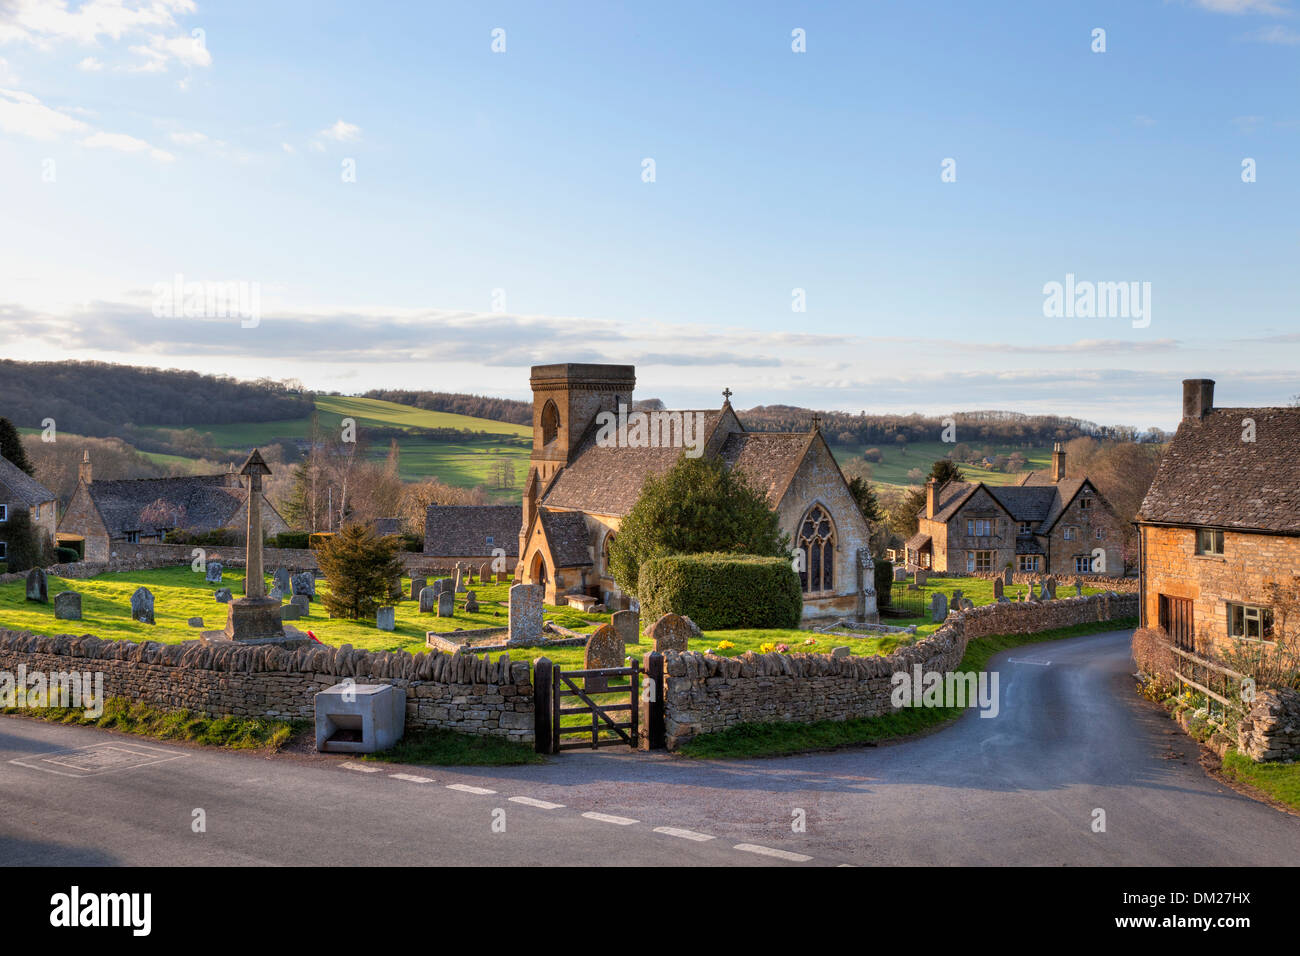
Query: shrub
{"points": [[360, 567], [722, 591], [28, 546], [884, 582], [66, 556], [1154, 658], [290, 539], [317, 539], [216, 538]]}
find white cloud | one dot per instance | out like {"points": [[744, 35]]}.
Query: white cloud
{"points": [[287, 148], [45, 22], [126, 144], [1242, 6], [90, 65], [342, 132], [25, 115], [188, 138]]}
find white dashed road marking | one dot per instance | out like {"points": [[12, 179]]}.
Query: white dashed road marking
{"points": [[607, 818], [360, 767], [540, 804], [683, 834], [768, 851], [1026, 660], [466, 788], [411, 778]]}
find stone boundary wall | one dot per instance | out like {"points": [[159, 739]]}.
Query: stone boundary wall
{"points": [[1065, 582], [464, 692], [1270, 730], [706, 693]]}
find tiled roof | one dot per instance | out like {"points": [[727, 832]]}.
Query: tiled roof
{"points": [[951, 496], [608, 480], [16, 486], [566, 532], [1029, 544], [463, 530], [198, 502], [1025, 504], [386, 526], [1209, 476], [917, 541], [768, 458]]}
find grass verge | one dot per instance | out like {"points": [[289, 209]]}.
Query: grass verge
{"points": [[1281, 781], [447, 748], [144, 720], [778, 739]]}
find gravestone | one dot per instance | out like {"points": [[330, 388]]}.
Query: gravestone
{"points": [[997, 588], [447, 604], [214, 572], [627, 625], [920, 578], [460, 583], [471, 602], [1049, 587], [956, 597], [304, 583], [418, 585], [525, 625], [967, 604], [1003, 599], [275, 594], [604, 649], [839, 652], [1006, 576], [503, 577], [302, 603], [67, 606], [281, 580], [290, 612], [867, 610], [671, 632], [38, 588], [1078, 587], [386, 618], [485, 573], [900, 574], [938, 607], [223, 595], [142, 606], [428, 601], [195, 622], [438, 586]]}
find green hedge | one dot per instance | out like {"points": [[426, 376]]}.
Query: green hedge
{"points": [[66, 556], [290, 539], [721, 591]]}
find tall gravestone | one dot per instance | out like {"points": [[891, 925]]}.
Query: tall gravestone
{"points": [[428, 600], [67, 606], [485, 573], [997, 588], [525, 623], [447, 604], [604, 649], [867, 610], [386, 618], [142, 606], [1006, 576], [460, 582], [627, 625], [417, 585], [938, 607], [281, 580], [38, 586]]}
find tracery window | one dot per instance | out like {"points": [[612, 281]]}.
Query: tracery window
{"points": [[817, 541]]}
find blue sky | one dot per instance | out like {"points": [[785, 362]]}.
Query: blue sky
{"points": [[499, 216]]}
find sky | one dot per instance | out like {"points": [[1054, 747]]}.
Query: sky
{"points": [[857, 206]]}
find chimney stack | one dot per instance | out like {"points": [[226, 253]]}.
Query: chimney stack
{"points": [[931, 497], [1058, 462], [1198, 398], [84, 474]]}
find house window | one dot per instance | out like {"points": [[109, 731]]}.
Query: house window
{"points": [[4, 550], [1101, 534], [1071, 532], [1250, 623], [4, 512], [979, 527], [1209, 542], [490, 540], [979, 561], [817, 540], [1026, 527], [133, 537], [1027, 562], [1082, 564], [36, 513], [1085, 504]]}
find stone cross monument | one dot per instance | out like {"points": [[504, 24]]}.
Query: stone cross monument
{"points": [[254, 579], [868, 612]]}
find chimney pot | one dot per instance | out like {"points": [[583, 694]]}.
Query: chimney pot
{"points": [[1058, 462], [931, 497], [1198, 398]]}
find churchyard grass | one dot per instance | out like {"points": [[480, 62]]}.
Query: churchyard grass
{"points": [[1281, 781], [776, 739], [145, 720]]}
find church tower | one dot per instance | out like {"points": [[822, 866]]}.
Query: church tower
{"points": [[566, 400]]}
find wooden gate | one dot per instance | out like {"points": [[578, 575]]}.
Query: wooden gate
{"points": [[614, 712]]}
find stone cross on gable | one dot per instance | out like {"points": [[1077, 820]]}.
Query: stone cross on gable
{"points": [[726, 395], [817, 422]]}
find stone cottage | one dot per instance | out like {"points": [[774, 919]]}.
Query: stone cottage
{"points": [[586, 473], [1045, 523], [20, 490], [104, 516], [1220, 525], [473, 535]]}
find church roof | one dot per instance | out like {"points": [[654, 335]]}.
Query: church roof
{"points": [[18, 487], [452, 531], [566, 533], [768, 458], [608, 480], [198, 502], [1209, 476]]}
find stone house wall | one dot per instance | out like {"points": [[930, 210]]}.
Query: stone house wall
{"points": [[1172, 567], [706, 694], [464, 692], [1062, 552]]}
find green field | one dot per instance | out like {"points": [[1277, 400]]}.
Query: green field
{"points": [[898, 462]]}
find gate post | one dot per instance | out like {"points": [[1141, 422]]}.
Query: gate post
{"points": [[543, 738], [656, 731]]}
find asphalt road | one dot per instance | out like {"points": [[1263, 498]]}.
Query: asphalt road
{"points": [[1021, 788]]}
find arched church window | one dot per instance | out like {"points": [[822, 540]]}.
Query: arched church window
{"points": [[550, 422], [604, 552], [817, 539]]}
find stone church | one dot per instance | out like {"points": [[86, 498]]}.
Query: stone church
{"points": [[584, 479]]}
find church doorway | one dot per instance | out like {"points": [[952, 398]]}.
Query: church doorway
{"points": [[538, 572]]}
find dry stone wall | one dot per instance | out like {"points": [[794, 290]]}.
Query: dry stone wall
{"points": [[462, 692], [1271, 728], [706, 693]]}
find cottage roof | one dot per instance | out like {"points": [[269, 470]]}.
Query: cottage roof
{"points": [[1210, 476], [463, 530], [16, 486], [197, 502], [917, 541], [1041, 504]]}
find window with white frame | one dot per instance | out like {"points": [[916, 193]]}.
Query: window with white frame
{"points": [[1071, 532], [1026, 527], [1082, 564], [4, 512], [1209, 542], [977, 561], [1101, 534], [1028, 562], [979, 527], [1250, 623]]}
